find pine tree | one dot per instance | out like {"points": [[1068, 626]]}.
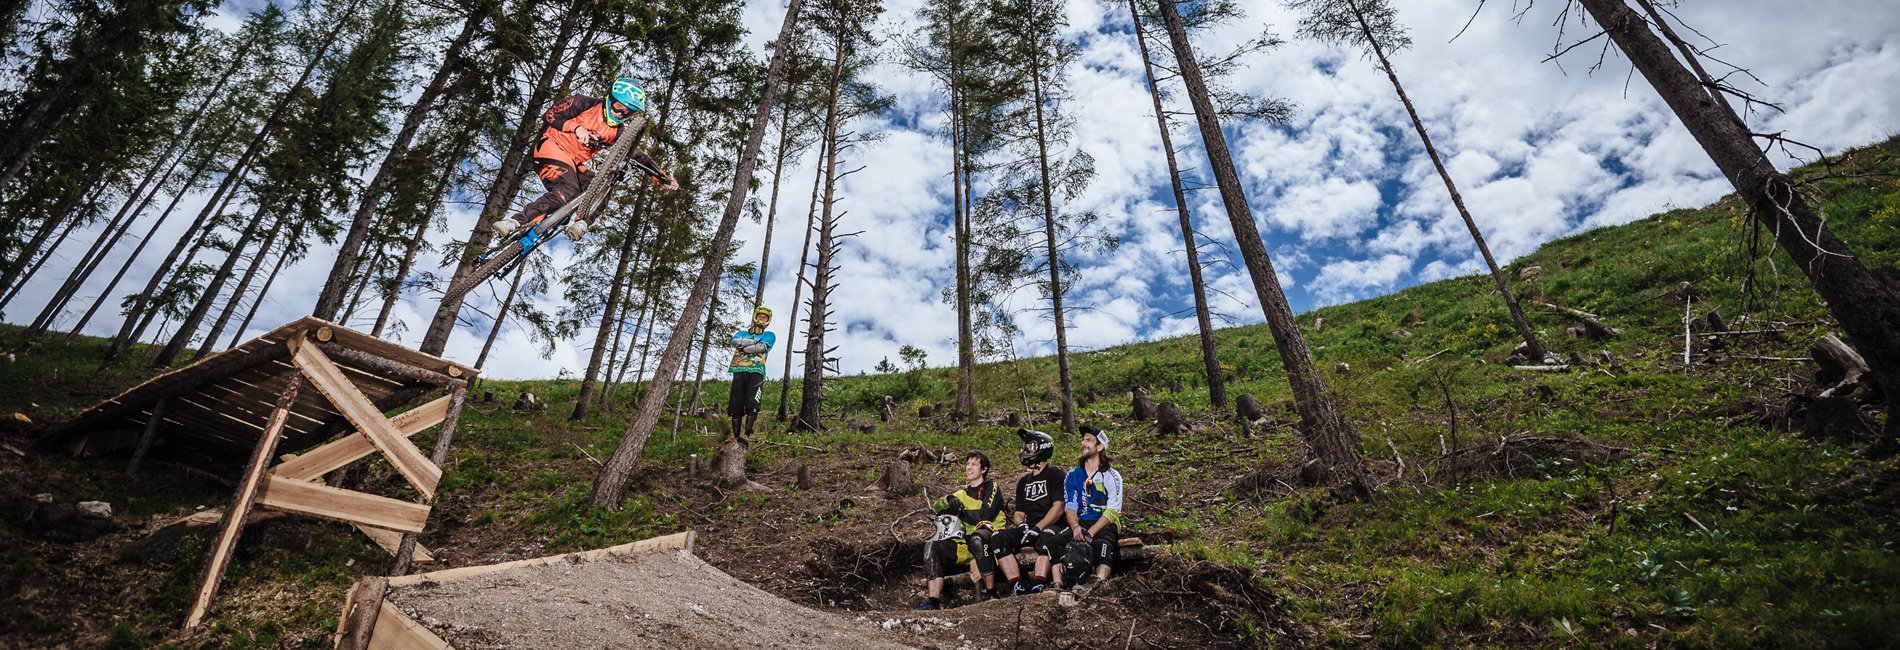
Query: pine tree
{"points": [[1373, 25], [1333, 440], [1866, 303], [611, 482]]}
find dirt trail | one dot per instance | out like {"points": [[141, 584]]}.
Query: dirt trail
{"points": [[663, 599]]}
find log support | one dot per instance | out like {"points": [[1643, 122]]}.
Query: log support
{"points": [[145, 439], [247, 491]]}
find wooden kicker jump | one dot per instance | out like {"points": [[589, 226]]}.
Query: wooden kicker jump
{"points": [[254, 398], [370, 622]]}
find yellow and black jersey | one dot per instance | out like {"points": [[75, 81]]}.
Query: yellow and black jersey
{"points": [[982, 504]]}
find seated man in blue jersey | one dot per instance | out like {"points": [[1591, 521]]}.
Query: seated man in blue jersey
{"points": [[1092, 494]]}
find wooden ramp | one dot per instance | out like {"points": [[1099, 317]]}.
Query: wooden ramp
{"points": [[254, 399]]}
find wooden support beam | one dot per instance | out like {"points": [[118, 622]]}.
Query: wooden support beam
{"points": [[360, 610], [677, 540], [152, 423], [307, 498], [241, 505], [405, 457], [406, 549], [387, 367], [355, 340], [391, 541], [346, 450]]}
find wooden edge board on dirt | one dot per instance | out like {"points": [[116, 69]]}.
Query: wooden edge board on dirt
{"points": [[682, 541], [396, 631], [306, 498], [405, 457], [347, 449]]}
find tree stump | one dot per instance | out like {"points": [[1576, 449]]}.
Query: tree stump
{"points": [[896, 480], [729, 469], [1170, 419], [868, 429], [1144, 410], [887, 409], [1013, 420], [1247, 410], [1840, 365], [804, 478], [926, 411], [1715, 322], [1174, 386]]}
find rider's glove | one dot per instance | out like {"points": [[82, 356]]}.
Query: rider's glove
{"points": [[588, 138]]}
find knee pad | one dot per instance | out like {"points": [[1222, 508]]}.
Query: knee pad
{"points": [[933, 567]]}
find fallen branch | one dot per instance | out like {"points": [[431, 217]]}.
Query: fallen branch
{"points": [[786, 445], [1741, 332], [1433, 356], [584, 453], [1779, 358], [1397, 457], [1572, 312], [1543, 368]]}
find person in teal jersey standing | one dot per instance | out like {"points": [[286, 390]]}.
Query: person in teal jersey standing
{"points": [[749, 347]]}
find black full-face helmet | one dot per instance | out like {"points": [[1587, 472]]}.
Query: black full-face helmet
{"points": [[1037, 446]]}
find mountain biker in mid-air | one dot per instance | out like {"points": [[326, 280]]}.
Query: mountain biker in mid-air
{"points": [[575, 133]]}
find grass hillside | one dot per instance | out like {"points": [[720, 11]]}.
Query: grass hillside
{"points": [[1640, 503]]}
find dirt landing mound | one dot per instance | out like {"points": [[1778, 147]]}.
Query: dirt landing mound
{"points": [[658, 599]]}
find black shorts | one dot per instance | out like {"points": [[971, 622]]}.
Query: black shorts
{"points": [[744, 399], [1048, 542]]}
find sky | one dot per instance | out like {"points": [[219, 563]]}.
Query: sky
{"points": [[1343, 194]]}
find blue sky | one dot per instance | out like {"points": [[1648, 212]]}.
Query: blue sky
{"points": [[1347, 203]]}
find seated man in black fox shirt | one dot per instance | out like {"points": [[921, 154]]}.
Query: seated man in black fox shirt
{"points": [[1038, 518]]}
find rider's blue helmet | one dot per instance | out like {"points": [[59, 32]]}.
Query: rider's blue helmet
{"points": [[630, 98]]}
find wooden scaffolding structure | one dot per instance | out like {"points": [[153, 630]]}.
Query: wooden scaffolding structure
{"points": [[253, 398]]}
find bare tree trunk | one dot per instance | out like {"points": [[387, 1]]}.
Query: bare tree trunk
{"points": [[509, 175], [812, 397], [771, 213], [705, 347], [506, 303], [189, 326], [238, 336], [340, 272], [1866, 304], [966, 333], [798, 287], [1210, 356], [237, 294], [1533, 349], [1055, 267], [1333, 440], [612, 481]]}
